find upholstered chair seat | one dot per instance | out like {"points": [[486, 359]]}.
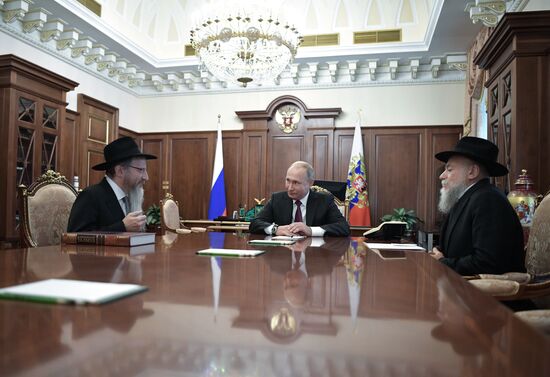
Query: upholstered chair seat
{"points": [[539, 319], [45, 207]]}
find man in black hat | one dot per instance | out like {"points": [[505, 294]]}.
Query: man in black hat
{"points": [[482, 233], [114, 204]]}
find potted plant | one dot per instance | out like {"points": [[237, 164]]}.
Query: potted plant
{"points": [[406, 215], [153, 218]]}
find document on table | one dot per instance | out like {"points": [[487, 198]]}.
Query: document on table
{"points": [[271, 242], [230, 252], [288, 238], [65, 291], [394, 246]]}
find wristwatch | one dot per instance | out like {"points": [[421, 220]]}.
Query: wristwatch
{"points": [[274, 229]]}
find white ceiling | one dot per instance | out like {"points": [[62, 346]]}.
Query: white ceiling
{"points": [[145, 42], [160, 28]]}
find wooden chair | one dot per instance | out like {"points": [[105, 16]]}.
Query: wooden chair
{"points": [[170, 217], [342, 206], [44, 209], [535, 284]]}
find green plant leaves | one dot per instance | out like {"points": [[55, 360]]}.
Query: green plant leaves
{"points": [[402, 214], [153, 215]]}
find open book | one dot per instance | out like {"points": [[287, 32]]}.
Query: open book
{"points": [[387, 230]]}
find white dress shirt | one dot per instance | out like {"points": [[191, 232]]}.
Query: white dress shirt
{"points": [[120, 194], [316, 231]]}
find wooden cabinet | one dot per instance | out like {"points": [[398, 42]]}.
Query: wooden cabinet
{"points": [[32, 117], [517, 57]]}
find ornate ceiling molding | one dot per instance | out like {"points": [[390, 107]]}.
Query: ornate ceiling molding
{"points": [[43, 30]]}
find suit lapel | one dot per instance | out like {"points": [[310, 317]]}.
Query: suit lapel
{"points": [[311, 207], [111, 201], [457, 210], [288, 203]]}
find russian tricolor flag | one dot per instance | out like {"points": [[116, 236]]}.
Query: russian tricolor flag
{"points": [[217, 206]]}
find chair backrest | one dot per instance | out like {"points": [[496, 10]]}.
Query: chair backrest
{"points": [[169, 213], [342, 206], [44, 209], [537, 258]]}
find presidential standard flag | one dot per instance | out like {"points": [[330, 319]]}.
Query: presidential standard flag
{"points": [[217, 206], [356, 193]]}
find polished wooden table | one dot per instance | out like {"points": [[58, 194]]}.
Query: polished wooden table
{"points": [[337, 309]]}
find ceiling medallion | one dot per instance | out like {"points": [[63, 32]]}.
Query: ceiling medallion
{"points": [[288, 118], [244, 46]]}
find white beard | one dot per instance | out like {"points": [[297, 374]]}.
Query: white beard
{"points": [[136, 198], [449, 197]]}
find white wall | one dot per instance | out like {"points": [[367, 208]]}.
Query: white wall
{"points": [[534, 5], [437, 104], [433, 104], [89, 84]]}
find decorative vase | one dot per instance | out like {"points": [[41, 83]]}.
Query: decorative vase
{"points": [[524, 199]]}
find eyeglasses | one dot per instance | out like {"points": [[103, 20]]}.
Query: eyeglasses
{"points": [[141, 170]]}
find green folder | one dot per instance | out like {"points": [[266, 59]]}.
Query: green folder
{"points": [[65, 291]]}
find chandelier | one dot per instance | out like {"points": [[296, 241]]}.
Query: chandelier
{"points": [[245, 46]]}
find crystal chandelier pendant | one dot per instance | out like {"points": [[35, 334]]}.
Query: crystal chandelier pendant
{"points": [[245, 47]]}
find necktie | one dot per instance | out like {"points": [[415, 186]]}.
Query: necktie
{"points": [[296, 260], [298, 215], [126, 204]]}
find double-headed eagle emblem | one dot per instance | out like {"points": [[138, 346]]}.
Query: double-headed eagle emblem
{"points": [[287, 118]]}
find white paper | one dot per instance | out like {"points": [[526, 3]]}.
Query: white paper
{"points": [[394, 246], [271, 242], [288, 238], [70, 291], [231, 252]]}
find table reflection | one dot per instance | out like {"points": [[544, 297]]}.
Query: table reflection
{"points": [[330, 309]]}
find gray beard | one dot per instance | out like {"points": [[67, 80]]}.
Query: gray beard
{"points": [[450, 197], [136, 198]]}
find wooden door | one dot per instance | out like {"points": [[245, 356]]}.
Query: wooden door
{"points": [[98, 127]]}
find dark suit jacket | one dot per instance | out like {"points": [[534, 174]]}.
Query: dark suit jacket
{"points": [[96, 208], [482, 233], [321, 211]]}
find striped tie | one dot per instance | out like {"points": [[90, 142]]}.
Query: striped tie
{"points": [[126, 204]]}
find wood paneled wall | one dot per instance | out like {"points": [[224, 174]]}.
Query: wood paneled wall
{"points": [[401, 169]]}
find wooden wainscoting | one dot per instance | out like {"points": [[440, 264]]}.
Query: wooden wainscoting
{"points": [[401, 169]]}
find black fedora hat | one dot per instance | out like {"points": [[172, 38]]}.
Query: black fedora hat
{"points": [[120, 150], [479, 150]]}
